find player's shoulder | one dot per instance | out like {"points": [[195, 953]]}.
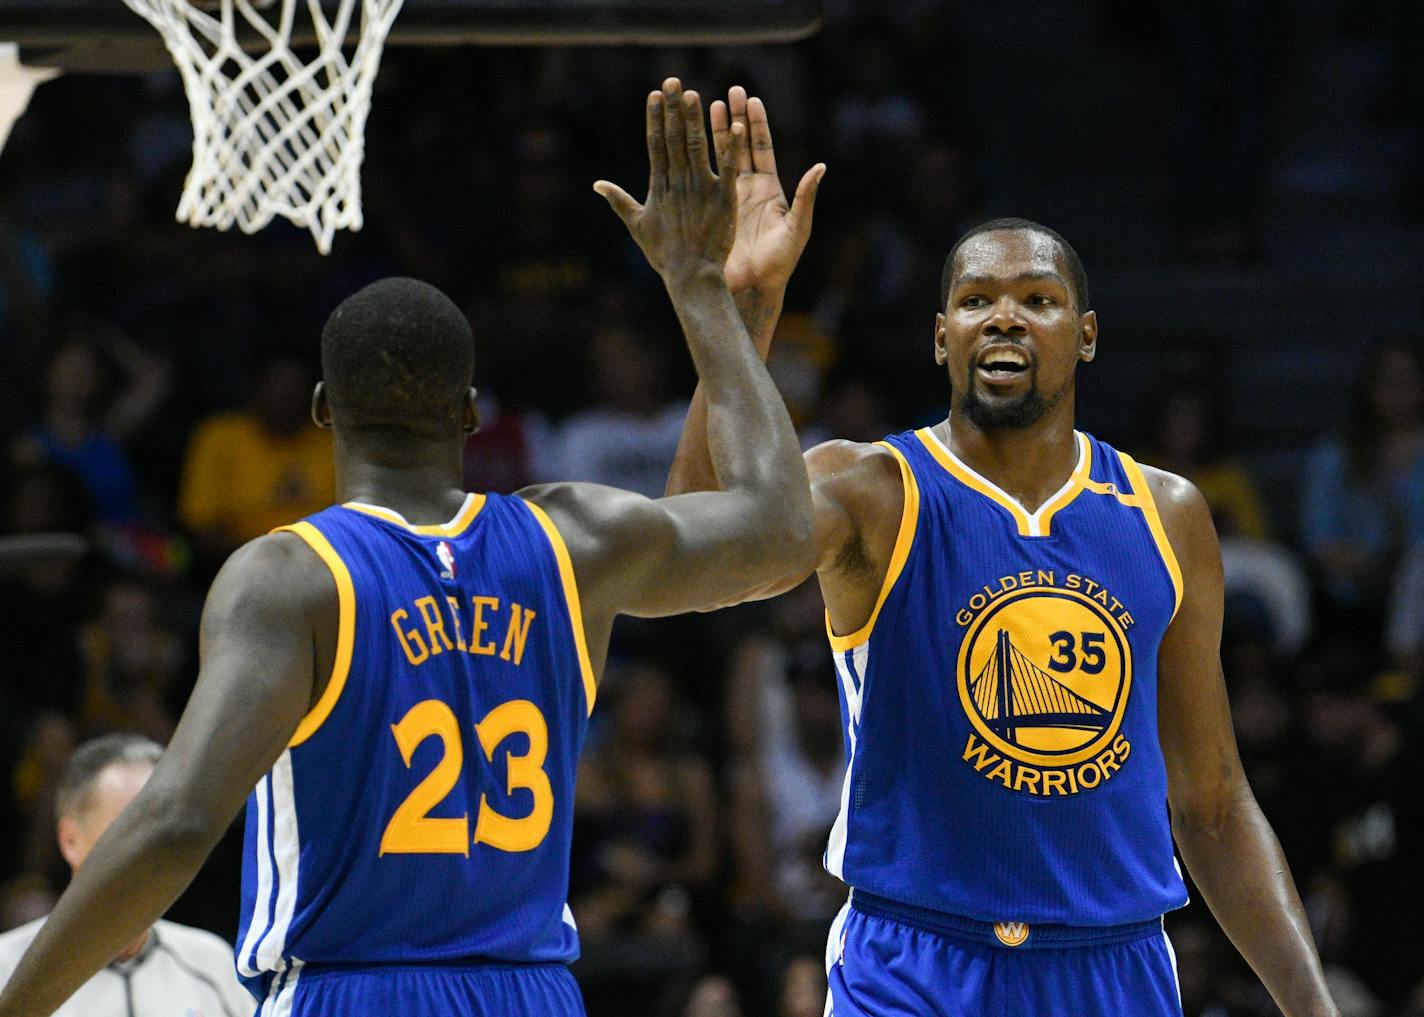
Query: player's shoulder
{"points": [[1184, 512], [577, 505], [196, 947], [595, 524], [1174, 494], [555, 494], [863, 478], [860, 495], [851, 463], [280, 572], [281, 561]]}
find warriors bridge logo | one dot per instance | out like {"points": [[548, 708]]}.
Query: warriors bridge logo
{"points": [[1044, 674]]}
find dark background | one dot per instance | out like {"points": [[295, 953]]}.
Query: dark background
{"points": [[1244, 180]]}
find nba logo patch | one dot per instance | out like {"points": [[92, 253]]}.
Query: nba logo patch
{"points": [[446, 554]]}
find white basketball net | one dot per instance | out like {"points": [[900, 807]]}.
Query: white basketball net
{"points": [[273, 135]]}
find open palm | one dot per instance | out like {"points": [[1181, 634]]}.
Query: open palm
{"points": [[689, 218], [771, 233]]}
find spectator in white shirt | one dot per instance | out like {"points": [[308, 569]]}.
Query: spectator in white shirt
{"points": [[629, 438], [170, 969]]}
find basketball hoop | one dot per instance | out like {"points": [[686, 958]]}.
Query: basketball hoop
{"points": [[272, 134]]}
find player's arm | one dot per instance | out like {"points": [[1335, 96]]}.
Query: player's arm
{"points": [[258, 645], [1224, 838], [663, 556], [857, 496], [712, 549], [771, 234]]}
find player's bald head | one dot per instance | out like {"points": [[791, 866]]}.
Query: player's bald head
{"points": [[398, 355]]}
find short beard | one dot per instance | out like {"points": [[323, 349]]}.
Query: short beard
{"points": [[1014, 414]]}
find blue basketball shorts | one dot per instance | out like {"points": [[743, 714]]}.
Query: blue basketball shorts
{"points": [[487, 990], [885, 960]]}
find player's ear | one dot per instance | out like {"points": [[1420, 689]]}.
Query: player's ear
{"points": [[321, 407], [941, 352], [470, 412], [1088, 336]]}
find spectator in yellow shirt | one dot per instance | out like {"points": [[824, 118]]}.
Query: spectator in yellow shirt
{"points": [[249, 471]]}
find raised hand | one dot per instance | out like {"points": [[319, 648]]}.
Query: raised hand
{"points": [[771, 234], [686, 225]]}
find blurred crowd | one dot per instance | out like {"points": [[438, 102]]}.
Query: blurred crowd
{"points": [[155, 395]]}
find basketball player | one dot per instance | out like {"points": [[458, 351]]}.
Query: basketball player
{"points": [[1026, 625], [406, 677]]}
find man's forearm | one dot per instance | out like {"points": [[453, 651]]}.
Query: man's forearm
{"points": [[136, 871], [692, 466], [749, 439], [1238, 865]]}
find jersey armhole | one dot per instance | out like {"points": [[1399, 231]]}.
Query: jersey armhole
{"points": [[909, 521], [571, 598], [345, 629], [1148, 504]]}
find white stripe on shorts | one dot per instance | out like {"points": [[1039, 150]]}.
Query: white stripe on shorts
{"points": [[280, 1005], [1176, 978], [833, 949]]}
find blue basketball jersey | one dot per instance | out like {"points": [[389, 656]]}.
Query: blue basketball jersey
{"points": [[1000, 705], [422, 811]]}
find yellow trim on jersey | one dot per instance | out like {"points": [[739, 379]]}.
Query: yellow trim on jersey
{"points": [[345, 629], [909, 521], [1076, 483], [971, 479], [473, 504], [1148, 504], [571, 596], [1036, 524], [1113, 491]]}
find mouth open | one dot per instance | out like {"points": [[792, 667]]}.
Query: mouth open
{"points": [[1003, 365]]}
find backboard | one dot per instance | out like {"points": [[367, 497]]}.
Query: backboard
{"points": [[104, 35]]}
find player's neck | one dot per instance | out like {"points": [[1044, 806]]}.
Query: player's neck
{"points": [[1030, 464], [424, 483]]}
